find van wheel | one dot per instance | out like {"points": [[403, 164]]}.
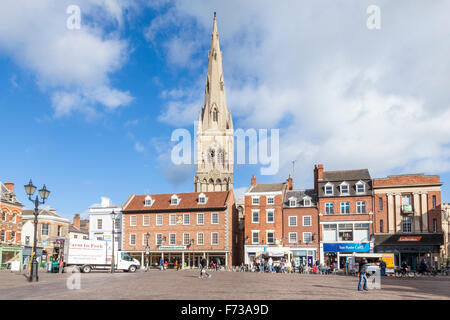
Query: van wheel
{"points": [[132, 269], [86, 269]]}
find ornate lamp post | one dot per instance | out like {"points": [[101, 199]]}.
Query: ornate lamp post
{"points": [[147, 251], [113, 217], [44, 193]]}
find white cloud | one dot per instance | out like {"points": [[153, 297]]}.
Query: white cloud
{"points": [[342, 94], [73, 65]]}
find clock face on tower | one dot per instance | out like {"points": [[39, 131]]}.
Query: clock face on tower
{"points": [[214, 173]]}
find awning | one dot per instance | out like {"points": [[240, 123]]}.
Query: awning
{"points": [[410, 239], [276, 254]]}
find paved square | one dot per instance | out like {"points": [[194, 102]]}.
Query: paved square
{"points": [[171, 284]]}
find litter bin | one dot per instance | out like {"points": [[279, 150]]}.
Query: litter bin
{"points": [[49, 267], [55, 267]]}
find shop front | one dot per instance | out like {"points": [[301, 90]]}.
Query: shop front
{"points": [[338, 253], [304, 256], [412, 248], [9, 254], [187, 259]]}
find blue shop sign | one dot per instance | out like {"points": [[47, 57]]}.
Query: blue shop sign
{"points": [[346, 247]]}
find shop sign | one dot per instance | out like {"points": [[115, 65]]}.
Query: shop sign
{"points": [[346, 247], [172, 247], [410, 239]]}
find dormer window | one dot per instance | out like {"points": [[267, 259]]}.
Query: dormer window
{"points": [[307, 201], [329, 189], [174, 200], [344, 188], [148, 201], [360, 187], [292, 202], [202, 198]]}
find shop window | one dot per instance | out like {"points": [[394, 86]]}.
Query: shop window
{"points": [[329, 232], [407, 224], [345, 232], [345, 207], [361, 207], [200, 238], [329, 208]]}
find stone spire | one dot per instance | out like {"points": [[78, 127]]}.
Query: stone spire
{"points": [[215, 114]]}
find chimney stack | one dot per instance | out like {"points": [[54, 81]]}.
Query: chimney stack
{"points": [[318, 175], [10, 186], [290, 183], [320, 172], [76, 220], [253, 181]]}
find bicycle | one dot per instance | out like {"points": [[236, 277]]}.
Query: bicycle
{"points": [[400, 273]]}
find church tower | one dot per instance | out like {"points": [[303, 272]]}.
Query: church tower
{"points": [[215, 139]]}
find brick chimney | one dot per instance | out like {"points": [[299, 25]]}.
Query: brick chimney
{"points": [[318, 175], [254, 181], [10, 186], [290, 183], [76, 220]]}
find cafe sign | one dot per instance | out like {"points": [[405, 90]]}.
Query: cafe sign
{"points": [[409, 239], [172, 247]]}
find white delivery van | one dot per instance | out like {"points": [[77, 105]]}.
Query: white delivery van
{"points": [[95, 254]]}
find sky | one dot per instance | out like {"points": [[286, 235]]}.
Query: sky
{"points": [[90, 112]]}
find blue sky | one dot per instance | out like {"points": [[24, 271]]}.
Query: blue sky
{"points": [[90, 112]]}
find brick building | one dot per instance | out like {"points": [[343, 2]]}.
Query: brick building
{"points": [[301, 225], [408, 217], [10, 225], [345, 213], [264, 221], [183, 227], [79, 229]]}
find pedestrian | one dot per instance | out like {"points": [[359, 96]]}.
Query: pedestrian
{"points": [[362, 274], [271, 264], [261, 265], [161, 264], [203, 269], [383, 267]]}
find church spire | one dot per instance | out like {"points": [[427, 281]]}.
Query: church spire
{"points": [[215, 113]]}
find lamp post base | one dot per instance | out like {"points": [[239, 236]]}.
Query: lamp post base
{"points": [[34, 272]]}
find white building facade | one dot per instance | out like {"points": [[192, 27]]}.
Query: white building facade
{"points": [[101, 221]]}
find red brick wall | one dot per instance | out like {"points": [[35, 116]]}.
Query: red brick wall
{"points": [[352, 200], [9, 226], [380, 214], [263, 226]]}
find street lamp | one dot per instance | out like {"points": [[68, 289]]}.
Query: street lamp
{"points": [[113, 217], [147, 250], [30, 189]]}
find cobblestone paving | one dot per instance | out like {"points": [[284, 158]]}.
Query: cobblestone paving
{"points": [[171, 284]]}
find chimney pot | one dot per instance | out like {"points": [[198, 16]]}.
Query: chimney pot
{"points": [[10, 186], [253, 182]]}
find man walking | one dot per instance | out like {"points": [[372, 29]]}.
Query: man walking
{"points": [[271, 264], [362, 274], [204, 267], [383, 268]]}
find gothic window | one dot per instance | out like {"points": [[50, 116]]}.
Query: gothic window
{"points": [[211, 155], [220, 156], [215, 115]]}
